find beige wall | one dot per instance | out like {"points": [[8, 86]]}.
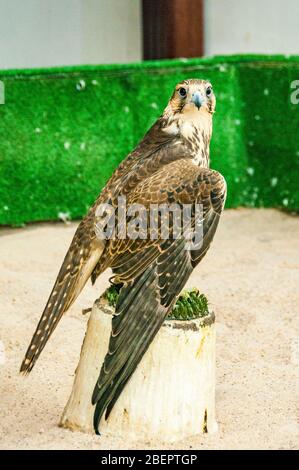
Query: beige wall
{"points": [[258, 26], [41, 33]]}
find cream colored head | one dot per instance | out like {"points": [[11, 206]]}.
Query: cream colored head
{"points": [[192, 96]]}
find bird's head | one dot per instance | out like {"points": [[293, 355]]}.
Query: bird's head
{"points": [[190, 110], [193, 96]]}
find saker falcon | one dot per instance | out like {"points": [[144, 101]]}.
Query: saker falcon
{"points": [[170, 165]]}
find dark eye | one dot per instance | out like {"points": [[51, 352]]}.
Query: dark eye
{"points": [[182, 92], [209, 91]]}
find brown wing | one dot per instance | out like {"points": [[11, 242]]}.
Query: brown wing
{"points": [[154, 272], [83, 259]]}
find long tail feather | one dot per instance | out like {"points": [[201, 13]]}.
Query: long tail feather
{"points": [[72, 277]]}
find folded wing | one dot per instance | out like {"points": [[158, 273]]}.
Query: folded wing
{"points": [[153, 273]]}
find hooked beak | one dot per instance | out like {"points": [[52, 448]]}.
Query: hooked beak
{"points": [[196, 99]]}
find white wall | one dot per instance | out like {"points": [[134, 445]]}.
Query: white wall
{"points": [[111, 30], [257, 26], [41, 33]]}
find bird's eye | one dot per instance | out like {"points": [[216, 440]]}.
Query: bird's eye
{"points": [[209, 91], [182, 92]]}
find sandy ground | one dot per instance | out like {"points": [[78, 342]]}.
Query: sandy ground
{"points": [[250, 275]]}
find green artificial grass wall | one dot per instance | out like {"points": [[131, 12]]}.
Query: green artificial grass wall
{"points": [[63, 131]]}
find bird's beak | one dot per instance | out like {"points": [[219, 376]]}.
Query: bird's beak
{"points": [[196, 99]]}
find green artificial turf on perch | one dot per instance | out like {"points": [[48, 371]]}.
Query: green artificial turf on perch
{"points": [[189, 305], [64, 130]]}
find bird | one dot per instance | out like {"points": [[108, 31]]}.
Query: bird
{"points": [[171, 164]]}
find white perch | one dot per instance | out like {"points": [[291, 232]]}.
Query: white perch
{"points": [[171, 395]]}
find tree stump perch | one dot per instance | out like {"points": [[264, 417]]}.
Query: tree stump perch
{"points": [[170, 396]]}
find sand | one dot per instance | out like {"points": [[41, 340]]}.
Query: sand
{"points": [[251, 277]]}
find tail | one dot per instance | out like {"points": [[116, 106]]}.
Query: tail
{"points": [[75, 271], [140, 311]]}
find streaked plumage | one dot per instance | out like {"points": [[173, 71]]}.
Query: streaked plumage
{"points": [[171, 164]]}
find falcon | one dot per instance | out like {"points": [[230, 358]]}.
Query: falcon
{"points": [[170, 165]]}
